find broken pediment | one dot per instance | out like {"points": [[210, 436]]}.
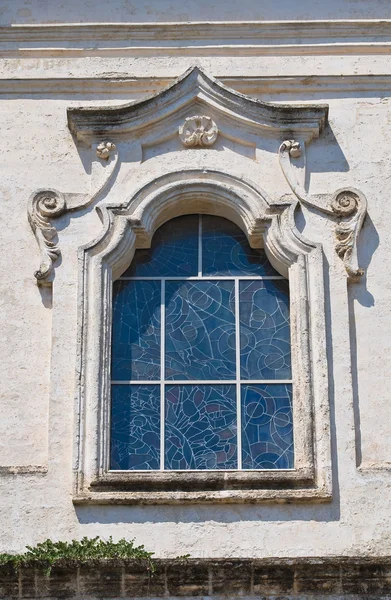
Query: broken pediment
{"points": [[196, 93]]}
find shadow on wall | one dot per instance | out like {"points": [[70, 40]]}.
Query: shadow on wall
{"points": [[198, 513], [369, 241], [325, 155]]}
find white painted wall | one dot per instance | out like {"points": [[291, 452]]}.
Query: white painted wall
{"points": [[37, 356]]}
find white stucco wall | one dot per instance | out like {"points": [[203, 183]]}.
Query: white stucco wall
{"points": [[39, 327]]}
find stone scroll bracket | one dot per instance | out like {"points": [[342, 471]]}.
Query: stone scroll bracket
{"points": [[348, 207], [47, 204]]}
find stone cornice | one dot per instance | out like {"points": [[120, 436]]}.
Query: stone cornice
{"points": [[306, 120], [140, 86], [199, 38], [373, 29], [267, 578]]}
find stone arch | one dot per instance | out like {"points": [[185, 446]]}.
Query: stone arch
{"points": [[266, 223]]}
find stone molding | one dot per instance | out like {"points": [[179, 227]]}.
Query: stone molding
{"points": [[263, 118], [266, 119], [129, 224], [331, 578], [251, 38], [47, 204], [268, 224], [348, 206], [141, 86]]}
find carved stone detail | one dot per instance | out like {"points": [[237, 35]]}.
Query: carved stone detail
{"points": [[348, 205], [345, 203], [104, 149], [44, 205], [293, 148], [198, 131], [48, 204]]}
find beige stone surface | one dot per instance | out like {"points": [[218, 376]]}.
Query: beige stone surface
{"points": [[40, 79]]}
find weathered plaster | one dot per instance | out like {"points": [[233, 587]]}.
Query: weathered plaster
{"points": [[39, 327]]}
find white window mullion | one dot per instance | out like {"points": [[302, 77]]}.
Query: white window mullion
{"points": [[162, 371], [206, 277], [199, 381], [238, 391]]}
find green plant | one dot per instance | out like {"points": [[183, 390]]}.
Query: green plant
{"points": [[48, 553]]}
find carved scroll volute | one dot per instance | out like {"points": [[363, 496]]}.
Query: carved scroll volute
{"points": [[43, 206], [348, 205]]}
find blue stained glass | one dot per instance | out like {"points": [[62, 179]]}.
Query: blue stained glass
{"points": [[267, 429], [226, 251], [135, 427], [200, 427], [136, 330], [200, 330], [264, 330], [173, 253]]}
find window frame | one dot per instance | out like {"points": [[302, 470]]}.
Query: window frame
{"points": [[130, 226]]}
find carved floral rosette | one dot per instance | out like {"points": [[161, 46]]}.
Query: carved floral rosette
{"points": [[199, 131]]}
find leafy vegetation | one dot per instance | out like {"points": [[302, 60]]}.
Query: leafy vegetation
{"points": [[87, 550]]}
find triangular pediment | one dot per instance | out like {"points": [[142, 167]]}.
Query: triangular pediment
{"points": [[195, 87]]}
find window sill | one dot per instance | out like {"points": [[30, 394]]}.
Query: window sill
{"points": [[204, 481], [205, 487], [220, 497]]}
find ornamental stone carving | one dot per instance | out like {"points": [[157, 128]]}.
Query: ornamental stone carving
{"points": [[348, 205], [44, 205], [138, 124], [199, 131], [104, 150]]}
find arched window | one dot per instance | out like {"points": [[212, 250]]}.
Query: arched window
{"points": [[201, 369]]}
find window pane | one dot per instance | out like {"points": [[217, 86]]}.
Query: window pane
{"points": [[135, 427], [200, 427], [264, 330], [174, 251], [136, 330], [200, 330], [226, 251], [267, 429]]}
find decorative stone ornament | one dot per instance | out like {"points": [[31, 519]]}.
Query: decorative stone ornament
{"points": [[198, 131], [348, 205], [149, 121], [104, 149], [151, 189], [293, 148], [44, 205]]}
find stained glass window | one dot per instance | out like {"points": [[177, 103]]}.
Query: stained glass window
{"points": [[201, 364]]}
